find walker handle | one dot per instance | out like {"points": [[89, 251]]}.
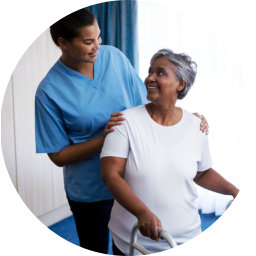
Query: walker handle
{"points": [[163, 234]]}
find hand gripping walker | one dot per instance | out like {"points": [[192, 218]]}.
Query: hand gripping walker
{"points": [[163, 234]]}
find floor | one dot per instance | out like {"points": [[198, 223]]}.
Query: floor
{"points": [[66, 228]]}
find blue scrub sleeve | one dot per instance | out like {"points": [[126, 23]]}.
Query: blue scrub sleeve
{"points": [[139, 88], [50, 132]]}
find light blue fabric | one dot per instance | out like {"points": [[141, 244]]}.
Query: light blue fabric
{"points": [[118, 21], [71, 108]]}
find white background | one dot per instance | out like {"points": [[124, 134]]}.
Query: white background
{"points": [[233, 234]]}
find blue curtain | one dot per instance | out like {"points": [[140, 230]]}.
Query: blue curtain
{"points": [[118, 23]]}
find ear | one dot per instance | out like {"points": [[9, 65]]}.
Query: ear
{"points": [[62, 43], [181, 86]]}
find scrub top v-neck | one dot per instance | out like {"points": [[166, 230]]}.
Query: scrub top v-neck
{"points": [[95, 81]]}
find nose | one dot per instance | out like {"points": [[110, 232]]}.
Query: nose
{"points": [[97, 43], [151, 78]]}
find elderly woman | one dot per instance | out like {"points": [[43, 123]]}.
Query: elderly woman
{"points": [[152, 161]]}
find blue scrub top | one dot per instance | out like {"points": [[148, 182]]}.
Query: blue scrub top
{"points": [[71, 108]]}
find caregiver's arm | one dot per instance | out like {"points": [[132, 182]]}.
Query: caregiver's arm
{"points": [[112, 171], [213, 181], [81, 151], [77, 152]]}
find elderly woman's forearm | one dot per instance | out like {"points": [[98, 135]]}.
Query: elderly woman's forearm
{"points": [[125, 196], [213, 181], [112, 170], [147, 220]]}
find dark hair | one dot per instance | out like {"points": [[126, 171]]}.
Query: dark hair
{"points": [[68, 27], [185, 68]]}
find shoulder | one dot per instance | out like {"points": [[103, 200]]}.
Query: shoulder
{"points": [[135, 110], [189, 117], [50, 76], [43, 88], [133, 118], [112, 51], [135, 113], [51, 80], [193, 123]]}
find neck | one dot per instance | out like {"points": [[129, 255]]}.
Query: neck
{"points": [[85, 68], [166, 115]]}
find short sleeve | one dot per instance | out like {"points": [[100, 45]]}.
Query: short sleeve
{"points": [[116, 143], [206, 162], [50, 130], [139, 88]]}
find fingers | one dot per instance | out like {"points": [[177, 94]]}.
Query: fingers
{"points": [[108, 130], [116, 114], [148, 227], [158, 225], [149, 231], [154, 233], [204, 127], [115, 119], [111, 123], [196, 114], [109, 126]]}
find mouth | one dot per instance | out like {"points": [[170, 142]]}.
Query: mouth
{"points": [[152, 88], [92, 54]]}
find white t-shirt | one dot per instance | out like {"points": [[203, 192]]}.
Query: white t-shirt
{"points": [[161, 164]]}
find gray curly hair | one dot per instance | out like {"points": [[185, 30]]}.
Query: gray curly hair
{"points": [[185, 68]]}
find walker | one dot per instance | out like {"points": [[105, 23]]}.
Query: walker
{"points": [[163, 234]]}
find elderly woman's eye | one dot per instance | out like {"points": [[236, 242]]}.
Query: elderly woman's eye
{"points": [[160, 73]]}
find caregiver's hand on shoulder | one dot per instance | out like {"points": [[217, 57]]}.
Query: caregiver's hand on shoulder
{"points": [[148, 224], [204, 127], [115, 119]]}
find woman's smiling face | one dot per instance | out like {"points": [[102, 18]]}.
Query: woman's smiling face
{"points": [[162, 83], [84, 47]]}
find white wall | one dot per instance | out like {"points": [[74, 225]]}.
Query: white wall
{"points": [[36, 179]]}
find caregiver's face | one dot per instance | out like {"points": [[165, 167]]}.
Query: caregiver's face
{"points": [[161, 82], [83, 48]]}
